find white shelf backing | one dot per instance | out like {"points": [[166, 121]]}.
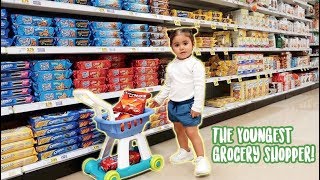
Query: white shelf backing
{"points": [[313, 55], [98, 50], [6, 110], [11, 173], [69, 101]]}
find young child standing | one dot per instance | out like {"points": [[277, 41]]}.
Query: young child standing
{"points": [[185, 87]]}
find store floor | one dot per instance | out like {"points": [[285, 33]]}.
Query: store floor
{"points": [[300, 111]]}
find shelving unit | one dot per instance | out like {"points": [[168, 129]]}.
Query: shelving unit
{"points": [[209, 112]]}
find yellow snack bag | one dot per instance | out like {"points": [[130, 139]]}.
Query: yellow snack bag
{"points": [[15, 146], [18, 163], [17, 134], [18, 155]]}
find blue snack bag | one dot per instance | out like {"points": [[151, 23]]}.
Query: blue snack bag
{"points": [[135, 7], [4, 33], [73, 32], [105, 25], [91, 142], [62, 143], [136, 1], [16, 84], [138, 35], [4, 13], [52, 95], [108, 42], [42, 76], [31, 20], [137, 42], [71, 23], [23, 30], [4, 23], [107, 33], [6, 42], [72, 42], [112, 4], [56, 152], [53, 119], [135, 27], [6, 76], [15, 100], [14, 66], [47, 65], [91, 135], [52, 85], [33, 41], [56, 137], [15, 92], [54, 129]]}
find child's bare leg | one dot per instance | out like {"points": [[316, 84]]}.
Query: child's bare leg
{"points": [[181, 135], [196, 140]]}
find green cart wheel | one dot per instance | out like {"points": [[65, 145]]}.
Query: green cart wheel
{"points": [[112, 175], [156, 163]]}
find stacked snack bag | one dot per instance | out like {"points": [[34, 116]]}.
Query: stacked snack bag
{"points": [[52, 79], [15, 83], [5, 40], [17, 148], [145, 72], [160, 117], [106, 33]]}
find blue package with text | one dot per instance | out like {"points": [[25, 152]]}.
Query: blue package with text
{"points": [[108, 42], [9, 66], [71, 23], [136, 1], [16, 84], [4, 33], [49, 65], [106, 34], [138, 35], [53, 119], [33, 31], [56, 137], [52, 95], [7, 76], [105, 25], [90, 135], [85, 114], [72, 32], [87, 129], [52, 85], [137, 42], [4, 23], [33, 41], [112, 4], [55, 145], [136, 7], [135, 27], [52, 153], [15, 100], [72, 42], [42, 76], [4, 14], [54, 129], [6, 42], [31, 20], [15, 92], [91, 142]]}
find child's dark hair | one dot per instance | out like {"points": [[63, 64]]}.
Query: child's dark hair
{"points": [[189, 32]]}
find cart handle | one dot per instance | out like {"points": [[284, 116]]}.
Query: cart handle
{"points": [[90, 99]]}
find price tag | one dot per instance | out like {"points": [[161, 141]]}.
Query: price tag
{"points": [[302, 69], [215, 82], [134, 49], [225, 52], [228, 80], [197, 24], [30, 50], [104, 49], [212, 52], [270, 75], [240, 79], [64, 156], [225, 27], [213, 26], [131, 13], [198, 53], [235, 28], [258, 77], [49, 104], [177, 22], [25, 1], [101, 10], [96, 147], [266, 75], [53, 160]]}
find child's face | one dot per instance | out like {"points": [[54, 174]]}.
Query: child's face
{"points": [[182, 46]]}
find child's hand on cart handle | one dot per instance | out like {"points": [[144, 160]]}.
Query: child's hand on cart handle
{"points": [[152, 103]]}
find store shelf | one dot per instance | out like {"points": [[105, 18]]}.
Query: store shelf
{"points": [[313, 55], [314, 44], [158, 129], [69, 101], [6, 110], [211, 111], [3, 50], [298, 2], [314, 30], [262, 74], [11, 173]]}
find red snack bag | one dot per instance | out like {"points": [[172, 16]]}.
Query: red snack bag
{"points": [[97, 64], [145, 62], [120, 86], [84, 74], [146, 77], [113, 57], [111, 163], [142, 84], [119, 64], [120, 79], [91, 82], [120, 72], [99, 89], [132, 102], [145, 70]]}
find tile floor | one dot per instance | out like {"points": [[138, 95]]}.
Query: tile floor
{"points": [[300, 111]]}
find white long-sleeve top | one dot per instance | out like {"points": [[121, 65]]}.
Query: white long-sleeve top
{"points": [[184, 79]]}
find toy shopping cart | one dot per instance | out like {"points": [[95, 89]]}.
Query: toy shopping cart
{"points": [[126, 131]]}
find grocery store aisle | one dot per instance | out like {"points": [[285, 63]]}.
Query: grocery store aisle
{"points": [[300, 111]]}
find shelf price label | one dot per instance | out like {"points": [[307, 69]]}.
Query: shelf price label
{"points": [[258, 77], [104, 49], [228, 80], [197, 24], [25, 1], [198, 52], [235, 28], [224, 27], [96, 147], [30, 50], [101, 10], [213, 26], [225, 52], [212, 52], [270, 74], [53, 160], [215, 82], [48, 104], [239, 78], [177, 22], [266, 75]]}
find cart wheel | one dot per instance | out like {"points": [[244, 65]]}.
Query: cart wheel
{"points": [[156, 163], [87, 164], [112, 175]]}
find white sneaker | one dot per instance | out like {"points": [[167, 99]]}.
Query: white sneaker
{"points": [[202, 167], [181, 156]]}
